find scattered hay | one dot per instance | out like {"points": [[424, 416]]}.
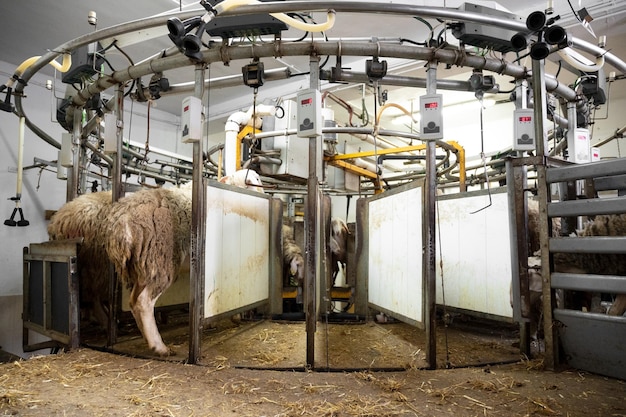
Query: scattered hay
{"points": [[541, 406], [496, 385], [241, 386]]}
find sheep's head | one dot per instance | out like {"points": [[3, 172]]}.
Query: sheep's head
{"points": [[296, 268], [245, 178]]}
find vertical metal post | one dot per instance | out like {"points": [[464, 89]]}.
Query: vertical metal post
{"points": [[429, 233], [516, 179], [572, 187], [116, 194], [198, 235], [74, 173], [116, 174], [311, 233], [539, 94]]}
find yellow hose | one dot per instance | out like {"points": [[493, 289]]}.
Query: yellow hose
{"points": [[308, 27], [388, 105], [298, 24], [63, 67]]}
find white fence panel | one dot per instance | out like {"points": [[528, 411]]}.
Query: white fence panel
{"points": [[236, 250], [476, 253], [395, 254]]}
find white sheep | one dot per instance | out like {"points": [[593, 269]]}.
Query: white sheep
{"points": [[338, 245], [598, 263], [83, 218], [244, 178], [293, 260], [149, 238]]}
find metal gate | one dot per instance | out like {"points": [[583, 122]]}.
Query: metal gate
{"points": [[586, 340], [51, 305], [590, 341]]}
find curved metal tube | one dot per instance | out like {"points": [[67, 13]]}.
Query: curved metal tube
{"points": [[329, 48]]}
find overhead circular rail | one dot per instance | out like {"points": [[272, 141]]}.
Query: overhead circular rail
{"points": [[177, 60]]}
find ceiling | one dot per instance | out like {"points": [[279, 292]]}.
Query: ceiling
{"points": [[30, 29]]}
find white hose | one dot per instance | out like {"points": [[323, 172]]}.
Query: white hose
{"points": [[566, 54], [298, 24], [20, 157]]}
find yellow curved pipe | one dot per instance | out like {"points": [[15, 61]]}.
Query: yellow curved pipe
{"points": [[27, 63], [62, 67], [308, 27], [298, 24], [397, 106]]}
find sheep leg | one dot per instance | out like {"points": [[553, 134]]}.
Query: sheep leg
{"points": [[142, 307], [619, 306]]}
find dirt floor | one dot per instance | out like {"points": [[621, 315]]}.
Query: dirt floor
{"points": [[93, 383], [90, 382]]}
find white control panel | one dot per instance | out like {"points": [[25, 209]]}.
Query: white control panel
{"points": [[191, 119], [309, 113], [579, 147], [523, 130], [595, 154], [431, 122]]}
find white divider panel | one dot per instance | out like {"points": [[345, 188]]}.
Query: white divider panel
{"points": [[236, 250], [476, 253], [395, 254]]}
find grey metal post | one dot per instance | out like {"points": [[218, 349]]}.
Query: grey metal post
{"points": [[116, 194], [539, 94], [198, 235], [74, 173], [311, 233], [116, 170], [429, 233], [517, 183]]}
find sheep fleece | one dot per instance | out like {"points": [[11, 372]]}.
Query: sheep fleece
{"points": [[149, 235]]}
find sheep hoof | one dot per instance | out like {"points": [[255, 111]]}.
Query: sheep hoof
{"points": [[164, 351]]}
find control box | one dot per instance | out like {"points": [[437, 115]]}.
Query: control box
{"points": [[431, 122], [524, 130], [65, 157], [110, 133], [595, 154], [579, 147], [309, 113], [191, 119]]}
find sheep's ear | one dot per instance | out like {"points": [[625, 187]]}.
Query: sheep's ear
{"points": [[293, 266]]}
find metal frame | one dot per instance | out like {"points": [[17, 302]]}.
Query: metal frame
{"points": [[63, 299], [171, 59], [590, 341]]}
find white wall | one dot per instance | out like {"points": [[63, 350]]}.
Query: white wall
{"points": [[42, 190]]}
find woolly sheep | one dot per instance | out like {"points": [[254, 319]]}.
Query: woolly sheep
{"points": [[83, 218], [146, 235], [244, 178], [150, 234], [338, 246], [602, 264], [293, 260]]}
